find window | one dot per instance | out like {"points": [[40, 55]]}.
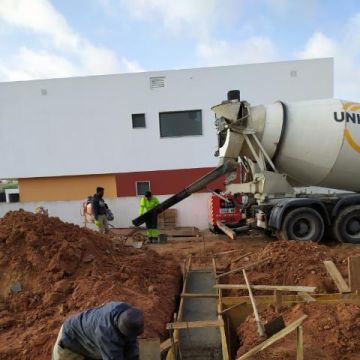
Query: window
{"points": [[13, 198], [180, 123], [138, 121], [142, 187]]}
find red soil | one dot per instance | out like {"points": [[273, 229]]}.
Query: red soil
{"points": [[330, 332], [64, 269]]}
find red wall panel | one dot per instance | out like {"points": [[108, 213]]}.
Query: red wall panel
{"points": [[163, 182]]}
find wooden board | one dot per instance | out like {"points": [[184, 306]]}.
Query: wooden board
{"points": [[149, 349], [266, 287], [336, 276], [241, 257], [185, 231], [354, 273], [246, 267], [199, 296], [307, 297], [226, 230], [299, 343], [166, 345], [194, 324], [282, 333]]}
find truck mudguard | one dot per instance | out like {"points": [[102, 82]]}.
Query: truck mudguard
{"points": [[278, 211], [353, 199]]}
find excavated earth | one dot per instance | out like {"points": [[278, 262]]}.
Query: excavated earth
{"points": [[293, 263], [50, 269], [331, 332]]}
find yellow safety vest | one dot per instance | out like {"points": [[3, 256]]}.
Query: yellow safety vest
{"points": [[146, 205]]}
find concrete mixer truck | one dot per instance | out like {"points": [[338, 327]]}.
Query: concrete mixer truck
{"points": [[283, 146]]}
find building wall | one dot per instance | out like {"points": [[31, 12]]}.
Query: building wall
{"points": [[65, 187], [163, 181], [190, 212], [81, 126]]}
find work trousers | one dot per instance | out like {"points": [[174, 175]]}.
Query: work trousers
{"points": [[151, 225], [60, 353], [104, 226]]}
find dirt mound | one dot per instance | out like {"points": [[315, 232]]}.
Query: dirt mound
{"points": [[294, 263], [330, 332], [50, 269]]}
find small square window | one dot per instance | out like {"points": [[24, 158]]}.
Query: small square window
{"points": [[142, 187], [138, 121]]}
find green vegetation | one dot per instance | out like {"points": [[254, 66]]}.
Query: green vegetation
{"points": [[9, 185]]}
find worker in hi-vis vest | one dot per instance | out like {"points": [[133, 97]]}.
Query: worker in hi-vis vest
{"points": [[147, 203]]}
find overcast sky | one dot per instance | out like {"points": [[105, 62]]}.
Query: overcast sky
{"points": [[59, 38]]}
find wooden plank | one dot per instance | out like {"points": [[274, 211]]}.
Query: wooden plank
{"points": [[194, 324], [232, 307], [241, 257], [200, 296], [282, 333], [299, 343], [149, 349], [336, 276], [226, 230], [306, 297], [266, 287], [226, 252], [183, 238], [166, 345], [278, 300], [260, 326], [246, 267], [354, 273]]}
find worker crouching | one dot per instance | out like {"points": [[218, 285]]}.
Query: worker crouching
{"points": [[147, 203], [107, 332]]}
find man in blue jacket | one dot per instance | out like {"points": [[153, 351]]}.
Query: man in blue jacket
{"points": [[107, 332]]}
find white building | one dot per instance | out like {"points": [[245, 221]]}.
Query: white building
{"points": [[63, 137]]}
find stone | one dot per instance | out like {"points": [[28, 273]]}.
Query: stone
{"points": [[88, 258], [15, 287]]}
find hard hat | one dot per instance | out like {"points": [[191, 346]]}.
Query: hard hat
{"points": [[131, 322]]}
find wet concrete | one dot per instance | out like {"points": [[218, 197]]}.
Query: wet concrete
{"points": [[204, 343]]}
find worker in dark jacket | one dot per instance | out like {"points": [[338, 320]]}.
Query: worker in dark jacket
{"points": [[99, 210], [107, 332]]}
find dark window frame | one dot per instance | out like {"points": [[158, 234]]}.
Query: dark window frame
{"points": [[179, 112], [142, 181], [133, 119]]}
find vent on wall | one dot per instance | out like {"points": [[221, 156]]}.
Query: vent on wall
{"points": [[157, 82]]}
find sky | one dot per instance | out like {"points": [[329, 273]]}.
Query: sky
{"points": [[60, 38]]}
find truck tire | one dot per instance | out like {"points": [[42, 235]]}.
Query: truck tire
{"points": [[347, 225], [304, 224]]}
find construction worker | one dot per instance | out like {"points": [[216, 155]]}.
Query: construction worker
{"points": [[99, 210], [107, 332], [147, 203]]}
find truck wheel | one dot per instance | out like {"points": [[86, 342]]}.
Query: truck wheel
{"points": [[302, 224], [347, 225]]}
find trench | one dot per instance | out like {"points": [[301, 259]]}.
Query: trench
{"points": [[199, 343]]}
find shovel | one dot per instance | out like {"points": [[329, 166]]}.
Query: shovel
{"points": [[270, 328]]}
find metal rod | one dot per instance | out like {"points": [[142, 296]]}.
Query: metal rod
{"points": [[264, 153]]}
